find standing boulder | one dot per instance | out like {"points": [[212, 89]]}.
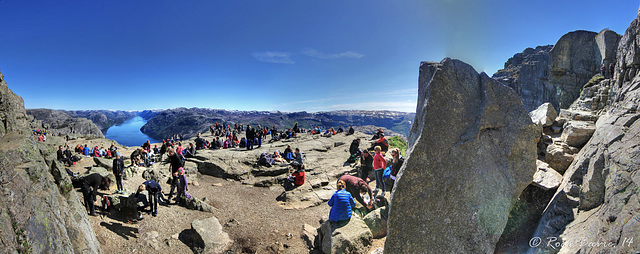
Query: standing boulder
{"points": [[472, 150], [208, 236]]}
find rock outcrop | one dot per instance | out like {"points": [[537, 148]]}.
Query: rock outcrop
{"points": [[40, 212], [472, 150], [354, 237], [61, 122], [557, 74], [527, 74], [208, 236], [595, 208]]}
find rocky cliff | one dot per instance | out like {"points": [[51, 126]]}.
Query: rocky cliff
{"points": [[193, 120], [472, 150], [60, 121], [595, 209], [557, 74], [104, 118], [39, 212]]}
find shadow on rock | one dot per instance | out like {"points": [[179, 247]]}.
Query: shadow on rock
{"points": [[121, 230]]}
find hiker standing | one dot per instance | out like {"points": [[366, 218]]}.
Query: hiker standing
{"points": [[175, 163], [379, 164], [118, 168]]}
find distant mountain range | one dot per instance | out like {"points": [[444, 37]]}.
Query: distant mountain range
{"points": [[190, 121]]}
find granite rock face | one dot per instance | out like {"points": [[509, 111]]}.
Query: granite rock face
{"points": [[39, 211], [557, 74], [599, 198], [12, 113], [527, 73], [472, 150]]}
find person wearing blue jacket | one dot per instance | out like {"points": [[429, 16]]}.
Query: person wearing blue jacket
{"points": [[341, 204], [86, 151]]}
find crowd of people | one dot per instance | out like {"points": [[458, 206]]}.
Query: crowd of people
{"points": [[350, 188]]}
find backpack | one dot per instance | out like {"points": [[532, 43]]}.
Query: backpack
{"points": [[106, 203]]}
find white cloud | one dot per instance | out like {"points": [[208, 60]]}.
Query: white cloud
{"points": [[273, 57], [315, 54]]}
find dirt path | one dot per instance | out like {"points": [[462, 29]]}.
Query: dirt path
{"points": [[251, 216]]}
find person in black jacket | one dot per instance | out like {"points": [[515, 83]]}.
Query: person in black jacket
{"points": [[62, 157], [351, 130], [90, 186], [366, 166], [118, 169], [153, 189], [175, 163], [397, 162], [251, 135]]}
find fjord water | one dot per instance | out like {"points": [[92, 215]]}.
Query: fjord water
{"points": [[128, 133]]}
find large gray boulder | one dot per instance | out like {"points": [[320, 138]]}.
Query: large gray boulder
{"points": [[376, 220], [577, 133], [472, 150], [546, 177], [598, 199], [354, 237], [559, 156], [208, 237], [544, 115], [573, 60]]}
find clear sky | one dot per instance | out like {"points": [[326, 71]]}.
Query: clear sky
{"points": [[267, 54]]}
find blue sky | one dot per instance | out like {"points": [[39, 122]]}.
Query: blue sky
{"points": [[267, 55]]}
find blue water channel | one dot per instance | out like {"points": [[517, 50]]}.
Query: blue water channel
{"points": [[129, 134]]}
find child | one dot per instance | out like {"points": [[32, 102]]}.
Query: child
{"points": [[183, 185]]}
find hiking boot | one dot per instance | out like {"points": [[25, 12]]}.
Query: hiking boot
{"points": [[154, 214]]}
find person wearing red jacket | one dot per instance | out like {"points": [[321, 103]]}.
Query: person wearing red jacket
{"points": [[296, 179], [379, 164]]}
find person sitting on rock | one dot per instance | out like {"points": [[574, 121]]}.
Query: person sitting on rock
{"points": [[243, 143], [135, 157], [190, 152], [382, 142], [354, 151], [90, 186], [340, 130], [153, 190], [351, 130], [118, 169], [288, 154], [234, 141], [358, 189], [379, 134], [62, 157], [298, 156], [342, 205], [296, 178], [96, 151], [86, 151], [146, 146]]}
